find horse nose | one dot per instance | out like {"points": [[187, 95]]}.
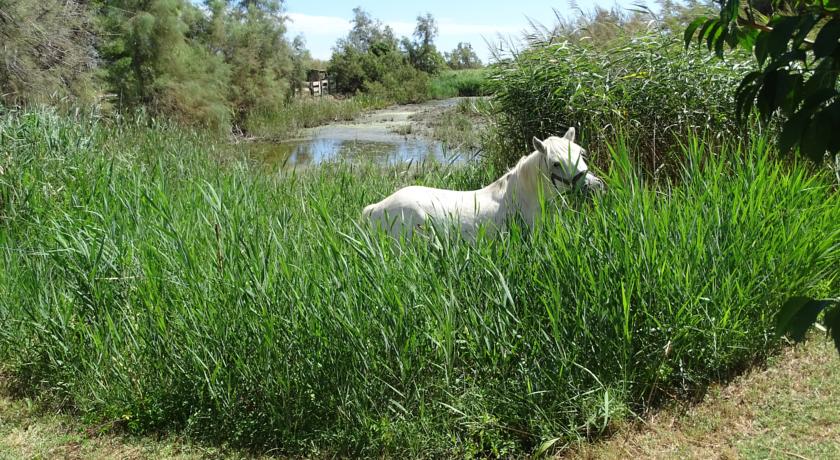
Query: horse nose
{"points": [[594, 184]]}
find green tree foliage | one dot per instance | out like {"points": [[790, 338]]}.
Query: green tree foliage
{"points": [[367, 31], [369, 51], [46, 51], [798, 51], [150, 61], [422, 52], [797, 46], [259, 55], [462, 57], [369, 59], [205, 67], [301, 62]]}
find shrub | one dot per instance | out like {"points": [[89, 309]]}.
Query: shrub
{"points": [[647, 85], [46, 52], [283, 122], [403, 85]]}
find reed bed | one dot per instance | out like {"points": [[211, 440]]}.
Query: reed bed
{"points": [[153, 280]]}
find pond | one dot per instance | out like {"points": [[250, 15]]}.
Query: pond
{"points": [[387, 136]]}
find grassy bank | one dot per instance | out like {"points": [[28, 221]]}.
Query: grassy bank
{"points": [[151, 282], [459, 83], [285, 122], [464, 126], [786, 410]]}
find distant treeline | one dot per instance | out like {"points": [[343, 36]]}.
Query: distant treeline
{"points": [[214, 64]]}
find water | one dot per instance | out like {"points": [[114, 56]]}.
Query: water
{"points": [[374, 137]]}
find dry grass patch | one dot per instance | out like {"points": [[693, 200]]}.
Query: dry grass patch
{"points": [[789, 409], [27, 431]]}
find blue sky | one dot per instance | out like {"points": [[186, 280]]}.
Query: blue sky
{"points": [[323, 22]]}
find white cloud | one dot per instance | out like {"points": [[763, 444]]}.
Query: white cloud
{"points": [[454, 28], [311, 25], [331, 25]]}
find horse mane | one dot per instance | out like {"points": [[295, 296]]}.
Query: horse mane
{"points": [[523, 163], [514, 173]]}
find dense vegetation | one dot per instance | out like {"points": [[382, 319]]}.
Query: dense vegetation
{"points": [[208, 68], [615, 75], [797, 46], [144, 283], [153, 279], [219, 65], [373, 60], [647, 89]]}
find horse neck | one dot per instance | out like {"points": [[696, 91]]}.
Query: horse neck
{"points": [[518, 187], [524, 177]]}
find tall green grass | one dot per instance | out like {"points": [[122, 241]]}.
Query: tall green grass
{"points": [[152, 281], [459, 83], [648, 89], [284, 122]]}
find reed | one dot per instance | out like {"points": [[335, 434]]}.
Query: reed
{"points": [[153, 280]]}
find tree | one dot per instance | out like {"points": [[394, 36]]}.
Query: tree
{"points": [[150, 61], [47, 50], [366, 31], [422, 53], [259, 56], [797, 46], [301, 61], [463, 57], [426, 30], [367, 54]]}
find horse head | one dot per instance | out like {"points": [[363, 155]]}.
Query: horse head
{"points": [[564, 164]]}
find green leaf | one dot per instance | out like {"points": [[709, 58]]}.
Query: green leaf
{"points": [[705, 29], [730, 10], [761, 47], [834, 112], [823, 80], [803, 28], [766, 98], [787, 91], [723, 39], [815, 139], [689, 31], [713, 34], [785, 59], [797, 315], [783, 30], [827, 39], [792, 131], [745, 93], [747, 38]]}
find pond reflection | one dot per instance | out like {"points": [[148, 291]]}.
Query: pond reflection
{"points": [[297, 154]]}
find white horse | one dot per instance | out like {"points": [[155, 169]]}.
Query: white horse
{"points": [[557, 164]]}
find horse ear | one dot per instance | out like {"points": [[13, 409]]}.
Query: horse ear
{"points": [[570, 135], [538, 145]]}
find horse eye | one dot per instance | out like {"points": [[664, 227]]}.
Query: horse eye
{"points": [[556, 164]]}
